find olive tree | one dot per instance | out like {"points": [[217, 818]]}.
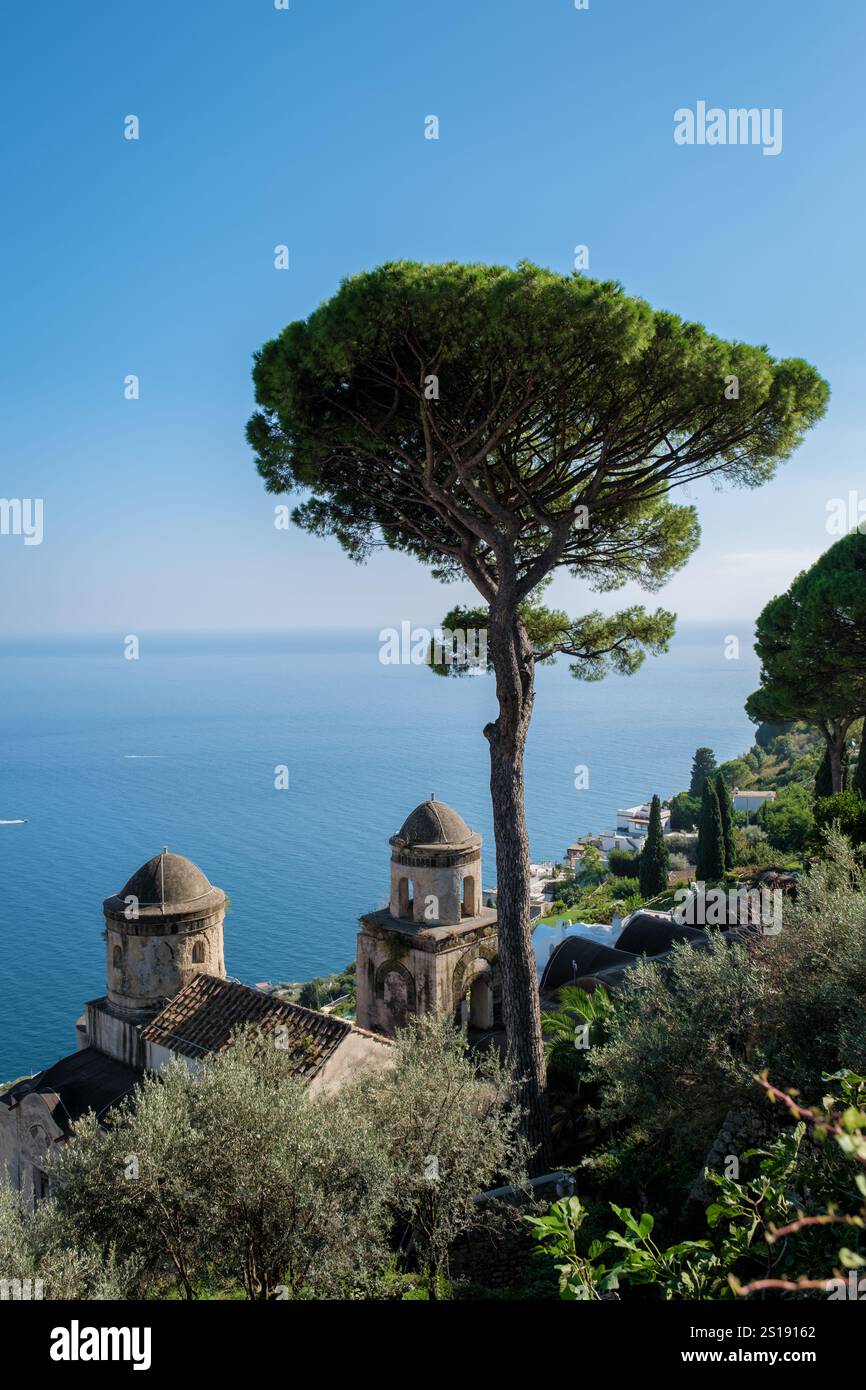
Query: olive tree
{"points": [[447, 1123]]}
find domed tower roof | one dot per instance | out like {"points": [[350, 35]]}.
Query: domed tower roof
{"points": [[167, 885], [435, 825]]}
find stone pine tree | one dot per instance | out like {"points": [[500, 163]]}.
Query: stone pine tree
{"points": [[812, 645], [703, 766], [499, 425], [653, 866], [711, 838], [726, 810], [824, 775]]}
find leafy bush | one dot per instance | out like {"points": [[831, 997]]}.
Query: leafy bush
{"points": [[788, 820], [753, 849], [45, 1247], [679, 1051], [690, 1034], [757, 1226], [623, 863], [579, 1023], [623, 887], [847, 810], [736, 773], [445, 1106], [685, 811], [685, 845]]}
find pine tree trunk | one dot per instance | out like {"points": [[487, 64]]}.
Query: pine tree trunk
{"points": [[837, 747], [511, 655]]}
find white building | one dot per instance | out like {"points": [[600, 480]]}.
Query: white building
{"points": [[632, 826], [751, 800], [634, 820]]}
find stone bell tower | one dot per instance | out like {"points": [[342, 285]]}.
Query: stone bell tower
{"points": [[161, 930], [433, 950]]}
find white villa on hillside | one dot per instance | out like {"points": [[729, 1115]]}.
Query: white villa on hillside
{"points": [[632, 825], [634, 820], [751, 800]]}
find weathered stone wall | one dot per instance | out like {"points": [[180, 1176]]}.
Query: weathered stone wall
{"points": [[149, 961], [113, 1034], [400, 975], [357, 1054], [437, 886], [27, 1134]]}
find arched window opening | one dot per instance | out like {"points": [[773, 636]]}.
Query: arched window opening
{"points": [[198, 953], [467, 906], [406, 897]]}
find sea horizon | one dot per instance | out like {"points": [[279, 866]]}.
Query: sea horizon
{"points": [[104, 761]]}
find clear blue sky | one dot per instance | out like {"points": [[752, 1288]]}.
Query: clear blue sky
{"points": [[305, 127]]}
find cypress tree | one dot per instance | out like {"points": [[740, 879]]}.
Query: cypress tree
{"points": [[726, 809], [703, 766], [653, 867], [711, 839]]}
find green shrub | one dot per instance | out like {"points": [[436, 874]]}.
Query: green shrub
{"points": [[685, 845], [685, 811], [623, 863], [689, 1036], [788, 820], [847, 810]]}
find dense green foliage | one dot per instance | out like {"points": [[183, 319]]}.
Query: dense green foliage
{"points": [[762, 1227], [323, 989], [623, 863], [788, 820], [846, 811], [685, 811], [812, 644], [235, 1182], [570, 1031], [688, 1038], [347, 410]]}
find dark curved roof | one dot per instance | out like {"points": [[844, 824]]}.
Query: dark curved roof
{"points": [[86, 1080], [649, 935], [610, 978], [170, 884], [436, 825], [577, 956]]}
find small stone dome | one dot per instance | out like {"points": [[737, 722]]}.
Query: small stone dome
{"points": [[435, 825], [168, 884]]}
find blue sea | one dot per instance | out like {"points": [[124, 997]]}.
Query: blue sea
{"points": [[107, 760]]}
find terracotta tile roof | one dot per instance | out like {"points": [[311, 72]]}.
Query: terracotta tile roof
{"points": [[202, 1017]]}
